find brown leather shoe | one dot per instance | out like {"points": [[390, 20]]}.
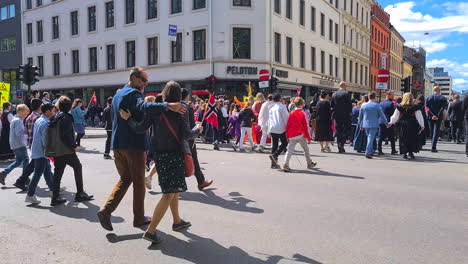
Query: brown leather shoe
{"points": [[369, 156], [105, 220], [146, 221], [204, 185]]}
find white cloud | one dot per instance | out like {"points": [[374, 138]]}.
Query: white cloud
{"points": [[460, 82], [458, 71]]}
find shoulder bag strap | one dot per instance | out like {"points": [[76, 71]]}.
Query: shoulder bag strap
{"points": [[163, 116]]}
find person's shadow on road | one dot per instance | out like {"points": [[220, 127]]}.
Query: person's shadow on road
{"points": [[235, 202], [205, 250]]}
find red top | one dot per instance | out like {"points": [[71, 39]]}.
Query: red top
{"points": [[297, 125]]}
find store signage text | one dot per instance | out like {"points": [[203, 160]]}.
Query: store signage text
{"points": [[327, 83], [242, 70], [282, 74]]}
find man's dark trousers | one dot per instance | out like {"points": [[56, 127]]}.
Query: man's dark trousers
{"points": [[434, 126], [466, 136], [108, 142], [387, 133], [198, 173], [275, 138], [456, 130], [60, 164], [343, 128]]}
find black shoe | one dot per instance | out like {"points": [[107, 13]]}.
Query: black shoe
{"points": [[57, 201], [107, 156], [23, 187], [411, 156], [2, 178], [215, 147], [153, 238], [394, 152], [405, 156], [181, 225], [105, 220], [274, 161], [381, 153], [234, 148], [434, 150], [80, 197]]}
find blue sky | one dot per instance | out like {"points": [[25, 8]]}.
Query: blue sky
{"points": [[447, 25]]}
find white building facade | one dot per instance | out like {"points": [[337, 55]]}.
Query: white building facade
{"points": [[89, 46], [443, 80]]}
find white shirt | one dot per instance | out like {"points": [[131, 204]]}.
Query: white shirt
{"points": [[278, 118], [264, 114], [225, 113], [396, 116]]}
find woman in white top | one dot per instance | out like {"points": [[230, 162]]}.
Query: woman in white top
{"points": [[411, 121]]}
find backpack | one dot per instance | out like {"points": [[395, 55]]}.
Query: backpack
{"points": [[54, 146]]}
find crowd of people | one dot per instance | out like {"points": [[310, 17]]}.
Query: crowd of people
{"points": [[157, 134]]}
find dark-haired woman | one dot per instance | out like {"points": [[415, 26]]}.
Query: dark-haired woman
{"points": [[420, 102], [324, 134], [80, 123]]}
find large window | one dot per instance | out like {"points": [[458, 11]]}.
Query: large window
{"points": [[336, 66], [312, 19], [75, 61], [242, 3], [199, 4], [356, 73], [7, 44], [92, 18], [7, 12], [350, 71], [93, 59], [176, 6], [344, 67], [28, 4], [74, 22], [351, 6], [289, 51], [344, 34], [55, 27], [152, 51], [336, 33], [345, 5], [199, 44], [241, 43], [278, 47], [29, 33], [56, 59], [40, 64], [30, 61], [330, 62], [110, 49], [322, 24], [152, 9], [322, 62], [330, 30], [176, 49], [313, 59], [277, 6], [129, 11], [38, 2], [130, 54], [110, 14], [289, 9], [302, 12], [302, 51]]}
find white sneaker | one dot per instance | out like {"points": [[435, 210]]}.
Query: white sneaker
{"points": [[32, 199], [148, 180]]}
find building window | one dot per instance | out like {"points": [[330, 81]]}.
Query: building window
{"points": [[312, 19], [362, 15], [337, 4], [289, 9], [351, 6], [40, 64], [330, 62], [356, 72], [39, 3], [152, 9], [130, 54], [7, 12], [7, 44], [336, 33], [55, 27], [152, 51], [176, 6], [330, 29], [29, 33], [199, 44], [176, 51], [28, 4], [357, 11], [278, 47], [302, 51], [336, 66], [289, 51], [344, 67], [93, 59], [110, 49], [109, 14], [74, 22], [322, 24], [345, 5], [351, 38], [302, 12], [129, 11], [344, 34], [56, 57], [241, 43], [30, 61], [91, 18], [313, 58], [322, 62], [242, 3], [199, 4], [75, 61], [277, 6], [360, 75], [350, 71]]}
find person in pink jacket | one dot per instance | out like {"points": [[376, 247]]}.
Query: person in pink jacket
{"points": [[297, 132]]}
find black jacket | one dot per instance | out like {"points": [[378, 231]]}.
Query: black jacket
{"points": [[246, 117], [108, 118], [455, 111], [436, 104], [341, 104], [465, 107], [67, 131]]}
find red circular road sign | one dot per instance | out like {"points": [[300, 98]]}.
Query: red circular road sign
{"points": [[264, 75], [383, 76]]}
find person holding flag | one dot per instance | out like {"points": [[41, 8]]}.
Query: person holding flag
{"points": [[211, 117]]}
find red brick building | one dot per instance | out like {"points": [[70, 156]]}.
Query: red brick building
{"points": [[380, 42]]}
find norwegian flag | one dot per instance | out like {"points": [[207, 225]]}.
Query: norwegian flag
{"points": [[94, 99], [210, 114]]}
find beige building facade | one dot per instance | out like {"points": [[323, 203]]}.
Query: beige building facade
{"points": [[396, 60]]}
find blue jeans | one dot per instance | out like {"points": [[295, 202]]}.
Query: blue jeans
{"points": [[371, 134], [434, 126], [41, 166], [21, 155]]}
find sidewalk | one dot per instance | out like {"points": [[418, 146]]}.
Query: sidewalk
{"points": [[95, 132]]}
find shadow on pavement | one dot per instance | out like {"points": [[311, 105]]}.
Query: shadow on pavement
{"points": [[236, 202], [113, 238], [326, 174], [86, 151], [205, 250]]}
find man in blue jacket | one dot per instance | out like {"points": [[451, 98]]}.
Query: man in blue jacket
{"points": [[387, 133], [436, 104], [370, 118], [129, 147]]}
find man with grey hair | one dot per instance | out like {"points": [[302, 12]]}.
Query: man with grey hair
{"points": [[342, 108], [436, 104]]}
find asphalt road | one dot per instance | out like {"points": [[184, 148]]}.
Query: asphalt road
{"points": [[349, 210]]}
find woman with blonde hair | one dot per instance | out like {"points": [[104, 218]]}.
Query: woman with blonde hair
{"points": [[411, 122], [258, 103]]}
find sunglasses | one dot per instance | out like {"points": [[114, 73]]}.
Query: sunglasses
{"points": [[143, 79]]}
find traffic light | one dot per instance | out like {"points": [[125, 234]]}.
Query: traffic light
{"points": [[405, 84], [211, 81], [34, 74], [25, 74], [274, 83]]}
